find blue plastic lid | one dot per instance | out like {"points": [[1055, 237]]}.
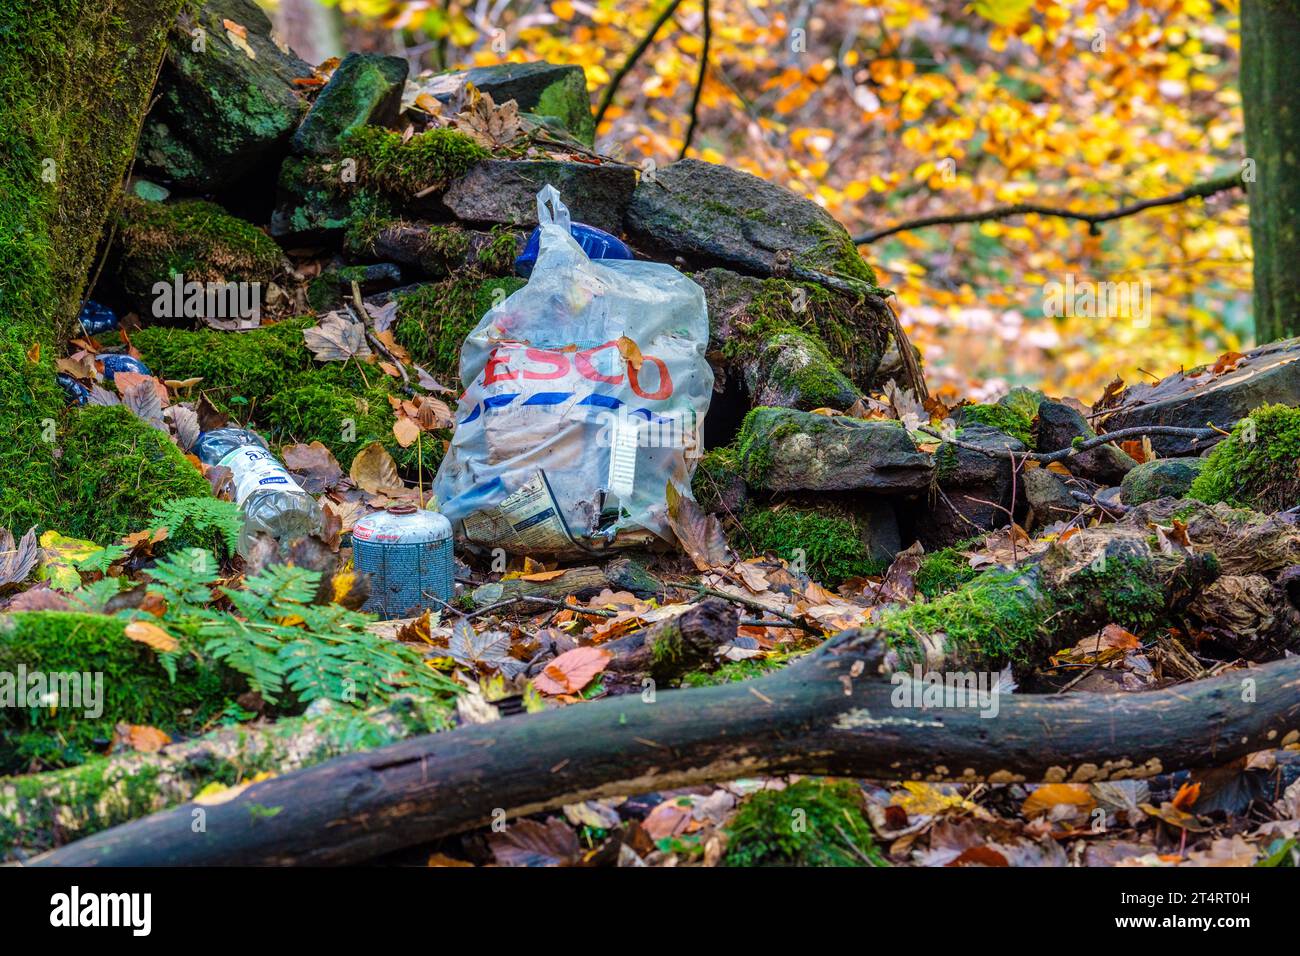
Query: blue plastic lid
{"points": [[596, 243], [74, 392], [114, 362], [96, 318]]}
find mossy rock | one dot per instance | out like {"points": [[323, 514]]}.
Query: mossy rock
{"points": [[1010, 420], [1258, 465], [711, 214], [549, 90], [1162, 478], [830, 542], [327, 291], [814, 822], [192, 238], [114, 470], [402, 168], [504, 191], [433, 319], [717, 485], [781, 449], [221, 113], [73, 86], [796, 343], [365, 88], [136, 689]]}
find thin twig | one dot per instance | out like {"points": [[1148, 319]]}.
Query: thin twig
{"points": [[752, 605], [699, 82], [1137, 431], [1093, 219], [608, 97]]}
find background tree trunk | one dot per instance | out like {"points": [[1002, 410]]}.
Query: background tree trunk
{"points": [[1270, 79], [75, 79]]}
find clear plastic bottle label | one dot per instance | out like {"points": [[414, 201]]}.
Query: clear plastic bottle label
{"points": [[256, 469]]}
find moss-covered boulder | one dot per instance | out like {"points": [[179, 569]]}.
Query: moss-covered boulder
{"points": [[505, 191], [1162, 478], [436, 250], [194, 239], [222, 112], [713, 214], [366, 88], [830, 540], [1258, 465], [376, 173], [1008, 420], [814, 822], [75, 77], [120, 680], [781, 449], [717, 485], [114, 469], [796, 344]]}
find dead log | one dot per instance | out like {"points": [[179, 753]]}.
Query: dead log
{"points": [[831, 713], [666, 650], [43, 810], [620, 574]]}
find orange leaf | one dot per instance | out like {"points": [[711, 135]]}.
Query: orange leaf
{"points": [[152, 635], [1052, 795], [572, 670], [1187, 796]]}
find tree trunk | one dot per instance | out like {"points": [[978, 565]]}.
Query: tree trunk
{"points": [[75, 77], [1270, 78]]}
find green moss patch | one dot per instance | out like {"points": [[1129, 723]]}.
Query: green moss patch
{"points": [[1258, 465], [434, 319], [427, 160], [830, 542], [946, 569], [192, 238], [813, 822], [115, 469], [135, 687], [1009, 419]]}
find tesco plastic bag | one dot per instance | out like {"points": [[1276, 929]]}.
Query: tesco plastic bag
{"points": [[585, 394]]}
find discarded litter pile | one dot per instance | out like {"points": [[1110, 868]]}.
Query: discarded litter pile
{"points": [[679, 441]]}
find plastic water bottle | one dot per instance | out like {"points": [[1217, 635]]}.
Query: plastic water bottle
{"points": [[272, 502]]}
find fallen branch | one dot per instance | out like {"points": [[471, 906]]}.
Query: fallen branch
{"points": [[1137, 431], [835, 712], [40, 811], [1093, 219]]}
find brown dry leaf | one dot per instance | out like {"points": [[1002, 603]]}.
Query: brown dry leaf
{"points": [[337, 339], [1227, 362], [529, 843], [373, 470], [572, 671], [1056, 468], [210, 417], [238, 37], [429, 103], [152, 635], [79, 366], [405, 431], [34, 353], [1112, 635], [673, 817], [482, 120], [313, 465], [751, 576], [700, 534], [17, 560]]}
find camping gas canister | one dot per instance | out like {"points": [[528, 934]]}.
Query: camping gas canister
{"points": [[407, 552]]}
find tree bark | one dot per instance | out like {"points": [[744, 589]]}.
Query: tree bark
{"points": [[75, 77], [1270, 77], [43, 810]]}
